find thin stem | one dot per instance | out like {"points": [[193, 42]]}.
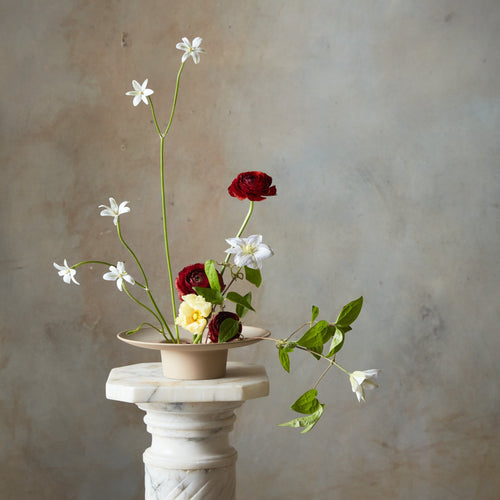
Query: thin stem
{"points": [[175, 100], [165, 234], [148, 291], [240, 232], [323, 374], [91, 262], [294, 332], [147, 309], [154, 116]]}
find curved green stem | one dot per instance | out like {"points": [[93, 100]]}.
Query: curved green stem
{"points": [[91, 262], [177, 82], [148, 291], [138, 302]]}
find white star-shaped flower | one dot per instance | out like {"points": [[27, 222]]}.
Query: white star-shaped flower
{"points": [[140, 92], [249, 251], [114, 210], [363, 380], [68, 274], [194, 50], [118, 274]]}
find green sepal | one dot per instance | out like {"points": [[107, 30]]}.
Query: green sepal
{"points": [[213, 277], [229, 329], [253, 276], [308, 422], [350, 312], [314, 313], [242, 310], [239, 299], [210, 295], [313, 336], [307, 403]]}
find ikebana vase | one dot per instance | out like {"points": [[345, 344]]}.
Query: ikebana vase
{"points": [[187, 361]]}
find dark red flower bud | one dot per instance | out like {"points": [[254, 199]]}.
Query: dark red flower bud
{"points": [[192, 276], [252, 185], [214, 325]]}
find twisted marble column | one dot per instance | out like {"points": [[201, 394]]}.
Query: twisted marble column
{"points": [[190, 457]]}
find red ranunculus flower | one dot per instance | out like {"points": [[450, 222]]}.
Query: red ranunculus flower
{"points": [[192, 276], [252, 185], [214, 325]]}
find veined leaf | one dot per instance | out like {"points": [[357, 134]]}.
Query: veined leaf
{"points": [[242, 310], [350, 312], [228, 329], [337, 342], [213, 277], [239, 299], [253, 276], [307, 422], [313, 336], [210, 295], [284, 359], [307, 403]]}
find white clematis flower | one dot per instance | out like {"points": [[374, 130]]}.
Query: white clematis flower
{"points": [[118, 274], [193, 313], [140, 92], [114, 210], [194, 50], [68, 274], [363, 380], [249, 251]]}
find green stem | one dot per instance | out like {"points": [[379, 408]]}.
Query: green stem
{"points": [[165, 234], [148, 291], [91, 262], [242, 228], [175, 100], [147, 309]]}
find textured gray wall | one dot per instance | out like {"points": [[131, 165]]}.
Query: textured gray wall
{"points": [[379, 122]]}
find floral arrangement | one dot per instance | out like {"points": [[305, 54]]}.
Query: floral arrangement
{"points": [[204, 289]]}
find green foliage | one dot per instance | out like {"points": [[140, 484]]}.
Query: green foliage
{"points": [[314, 336], [349, 312], [284, 359], [242, 310], [228, 329], [253, 276], [210, 295], [307, 403], [314, 313], [241, 300], [213, 277], [307, 422]]}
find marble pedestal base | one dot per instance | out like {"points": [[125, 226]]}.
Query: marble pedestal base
{"points": [[190, 456]]}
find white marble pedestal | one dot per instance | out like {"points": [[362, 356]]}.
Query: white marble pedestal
{"points": [[190, 457]]}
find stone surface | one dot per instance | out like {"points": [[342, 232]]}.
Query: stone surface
{"points": [[379, 122], [190, 456]]}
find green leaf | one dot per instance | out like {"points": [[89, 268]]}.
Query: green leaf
{"points": [[314, 314], [253, 276], [239, 299], [210, 295], [328, 333], [284, 359], [307, 422], [241, 310], [307, 403], [337, 342], [313, 336], [213, 277], [229, 329], [350, 312]]}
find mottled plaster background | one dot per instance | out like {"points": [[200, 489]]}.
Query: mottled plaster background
{"points": [[379, 122]]}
